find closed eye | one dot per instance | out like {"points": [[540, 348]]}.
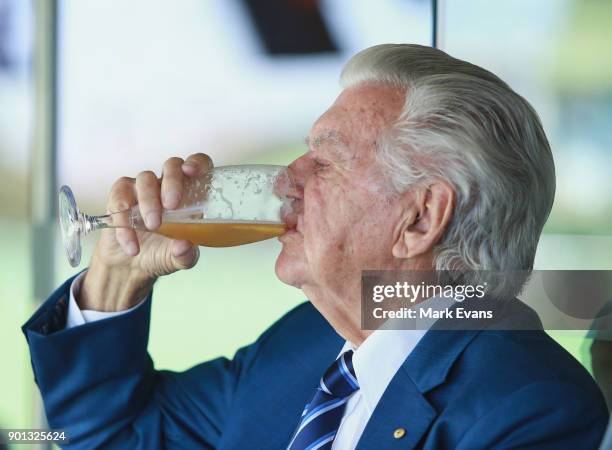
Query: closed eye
{"points": [[320, 165]]}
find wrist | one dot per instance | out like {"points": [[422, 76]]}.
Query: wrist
{"points": [[109, 288]]}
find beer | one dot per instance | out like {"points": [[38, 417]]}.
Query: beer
{"points": [[222, 234]]}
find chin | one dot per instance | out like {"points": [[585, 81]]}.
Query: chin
{"points": [[289, 269]]}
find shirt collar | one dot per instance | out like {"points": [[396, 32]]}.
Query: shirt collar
{"points": [[380, 356]]}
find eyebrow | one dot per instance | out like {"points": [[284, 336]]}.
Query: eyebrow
{"points": [[331, 137]]}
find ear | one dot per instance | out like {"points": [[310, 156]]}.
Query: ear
{"points": [[425, 220]]}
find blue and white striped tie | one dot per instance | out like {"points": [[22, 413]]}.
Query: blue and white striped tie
{"points": [[321, 417]]}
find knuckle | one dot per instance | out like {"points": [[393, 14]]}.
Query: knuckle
{"points": [[202, 158], [173, 161], [119, 204], [122, 236], [123, 181], [120, 196], [145, 175]]}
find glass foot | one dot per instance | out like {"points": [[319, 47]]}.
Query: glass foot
{"points": [[70, 225]]}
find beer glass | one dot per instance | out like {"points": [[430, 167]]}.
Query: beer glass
{"points": [[223, 207]]}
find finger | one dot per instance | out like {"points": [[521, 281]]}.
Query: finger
{"points": [[172, 183], [122, 198], [149, 200], [128, 240], [184, 254], [196, 164]]}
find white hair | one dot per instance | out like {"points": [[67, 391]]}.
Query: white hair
{"points": [[463, 124]]}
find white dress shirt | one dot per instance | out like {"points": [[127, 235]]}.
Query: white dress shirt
{"points": [[375, 361]]}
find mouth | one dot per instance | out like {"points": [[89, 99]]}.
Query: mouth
{"points": [[294, 227]]}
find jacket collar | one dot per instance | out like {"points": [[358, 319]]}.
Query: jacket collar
{"points": [[403, 405], [429, 364]]}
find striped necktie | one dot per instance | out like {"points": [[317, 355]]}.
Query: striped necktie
{"points": [[321, 417]]}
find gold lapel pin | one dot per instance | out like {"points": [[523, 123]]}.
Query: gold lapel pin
{"points": [[399, 433]]}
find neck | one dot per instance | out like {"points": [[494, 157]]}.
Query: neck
{"points": [[343, 313], [357, 341]]}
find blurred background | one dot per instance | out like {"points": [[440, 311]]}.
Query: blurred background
{"points": [[120, 86]]}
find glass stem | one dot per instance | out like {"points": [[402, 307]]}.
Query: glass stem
{"points": [[93, 223]]}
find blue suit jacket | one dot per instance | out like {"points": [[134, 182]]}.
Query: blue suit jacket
{"points": [[456, 390]]}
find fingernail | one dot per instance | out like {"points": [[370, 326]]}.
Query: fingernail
{"points": [[132, 249], [171, 199], [152, 220]]}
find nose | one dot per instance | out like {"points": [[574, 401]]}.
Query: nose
{"points": [[291, 194], [300, 169], [287, 186]]}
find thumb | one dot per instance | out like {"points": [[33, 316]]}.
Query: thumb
{"points": [[184, 254]]}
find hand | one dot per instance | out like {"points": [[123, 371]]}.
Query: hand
{"points": [[127, 262]]}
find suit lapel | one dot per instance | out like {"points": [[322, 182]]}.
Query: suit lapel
{"points": [[403, 415], [402, 406]]}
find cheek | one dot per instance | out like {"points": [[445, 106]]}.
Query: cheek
{"points": [[324, 212], [330, 215], [353, 222]]}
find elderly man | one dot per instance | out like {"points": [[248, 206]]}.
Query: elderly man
{"points": [[423, 161]]}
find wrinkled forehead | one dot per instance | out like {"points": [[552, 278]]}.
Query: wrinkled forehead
{"points": [[356, 118]]}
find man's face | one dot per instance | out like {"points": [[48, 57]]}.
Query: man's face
{"points": [[344, 221]]}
